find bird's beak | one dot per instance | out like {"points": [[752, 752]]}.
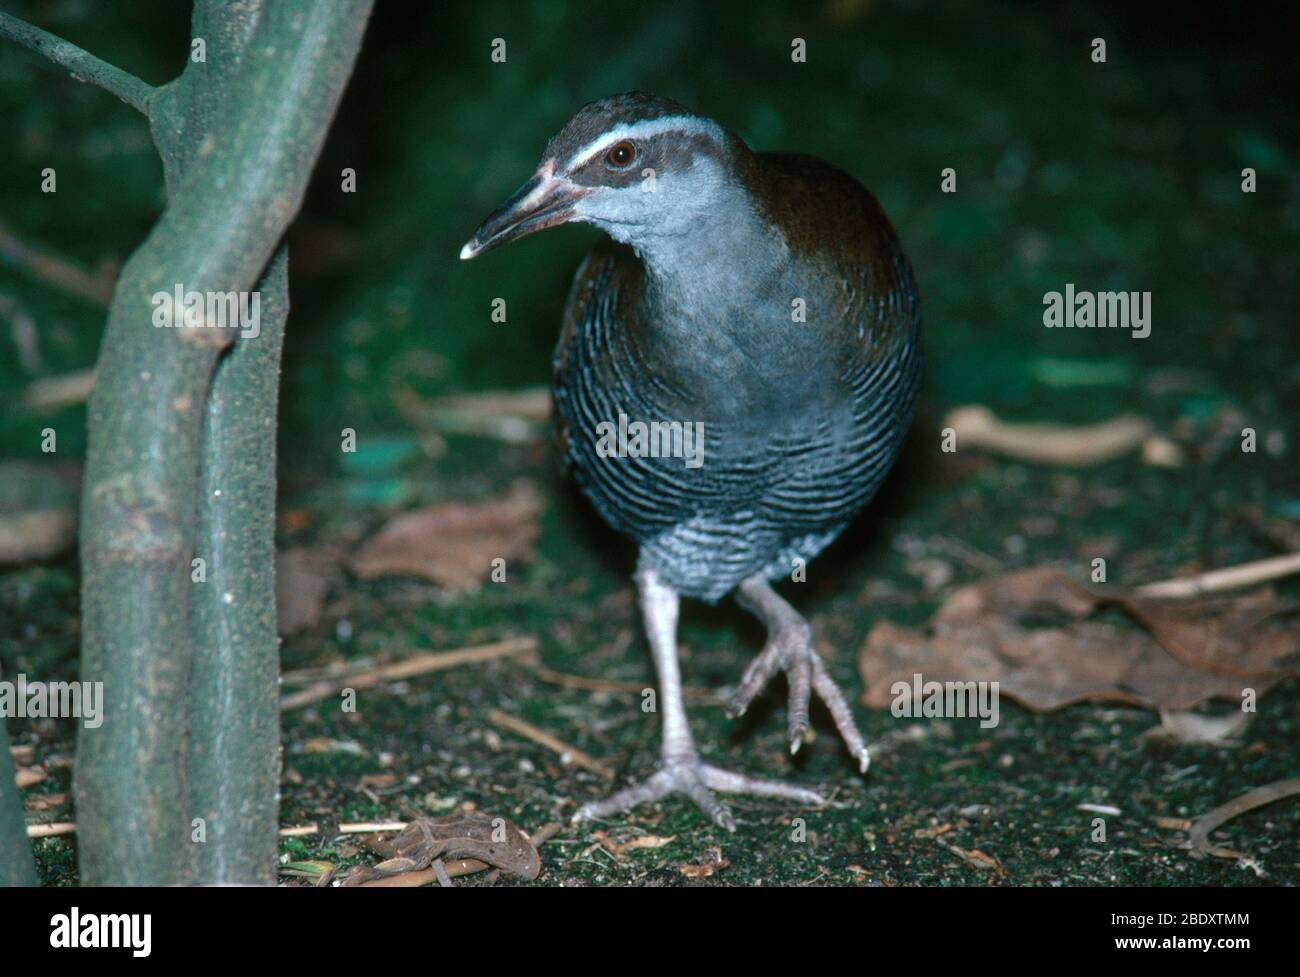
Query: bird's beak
{"points": [[542, 202]]}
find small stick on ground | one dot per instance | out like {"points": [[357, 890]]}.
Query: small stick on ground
{"points": [[1052, 444], [539, 838], [1229, 578], [552, 743], [43, 264], [51, 830], [545, 833], [440, 873], [420, 664], [425, 876], [63, 390], [1199, 836], [692, 693], [371, 827]]}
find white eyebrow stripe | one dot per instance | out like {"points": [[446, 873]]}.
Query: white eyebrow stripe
{"points": [[644, 130]]}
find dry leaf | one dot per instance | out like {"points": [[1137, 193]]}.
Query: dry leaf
{"points": [[469, 834], [1191, 727], [713, 863], [976, 858], [698, 871], [454, 543], [1034, 632], [617, 848], [302, 579]]}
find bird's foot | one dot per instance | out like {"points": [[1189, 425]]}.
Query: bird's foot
{"points": [[789, 648], [697, 780]]}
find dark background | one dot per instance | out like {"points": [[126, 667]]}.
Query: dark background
{"points": [[1117, 176]]}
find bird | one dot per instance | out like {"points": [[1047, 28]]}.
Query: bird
{"points": [[738, 363]]}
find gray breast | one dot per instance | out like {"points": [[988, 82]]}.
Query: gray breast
{"points": [[781, 472]]}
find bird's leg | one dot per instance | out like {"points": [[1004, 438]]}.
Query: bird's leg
{"points": [[789, 647], [680, 769]]}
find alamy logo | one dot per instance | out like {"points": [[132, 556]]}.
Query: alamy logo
{"points": [[1098, 310], [102, 930], [946, 700], [179, 309], [53, 700], [656, 439]]}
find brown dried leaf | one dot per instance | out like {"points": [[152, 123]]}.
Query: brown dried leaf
{"points": [[469, 834], [1191, 727], [302, 579], [714, 862], [618, 848], [454, 543], [1241, 637], [698, 871], [975, 858], [1034, 633]]}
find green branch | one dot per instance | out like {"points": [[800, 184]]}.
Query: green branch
{"points": [[83, 65], [260, 108], [235, 680]]}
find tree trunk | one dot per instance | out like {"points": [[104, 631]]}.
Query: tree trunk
{"points": [[236, 178]]}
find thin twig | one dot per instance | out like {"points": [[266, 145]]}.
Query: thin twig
{"points": [[545, 833], [1199, 835], [543, 738], [60, 391], [371, 827], [46, 266], [411, 880], [440, 873], [51, 830], [84, 66], [1229, 578], [421, 664], [1052, 444], [353, 828], [692, 693]]}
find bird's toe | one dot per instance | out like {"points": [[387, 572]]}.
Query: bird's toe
{"points": [[696, 781]]}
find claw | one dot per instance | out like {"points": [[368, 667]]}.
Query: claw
{"points": [[696, 781], [789, 648]]}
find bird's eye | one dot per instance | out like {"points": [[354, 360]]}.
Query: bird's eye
{"points": [[621, 154]]}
